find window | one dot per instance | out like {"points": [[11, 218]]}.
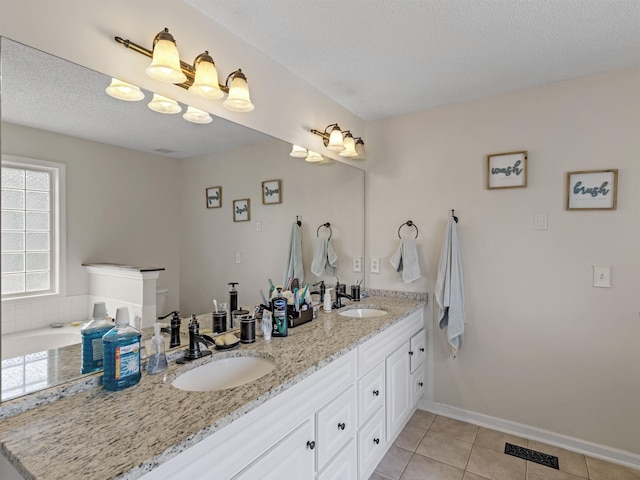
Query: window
{"points": [[32, 227]]}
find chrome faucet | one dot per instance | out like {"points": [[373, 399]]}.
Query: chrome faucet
{"points": [[175, 328], [195, 339]]}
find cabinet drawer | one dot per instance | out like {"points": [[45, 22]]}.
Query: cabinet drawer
{"points": [[343, 466], [336, 424], [371, 393], [371, 444], [419, 349], [418, 384]]}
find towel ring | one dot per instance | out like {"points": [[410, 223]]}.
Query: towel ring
{"points": [[325, 225], [408, 223]]}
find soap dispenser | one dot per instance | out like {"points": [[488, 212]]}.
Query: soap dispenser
{"points": [[158, 358], [327, 300]]}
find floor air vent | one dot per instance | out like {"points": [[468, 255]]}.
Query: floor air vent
{"points": [[531, 455]]}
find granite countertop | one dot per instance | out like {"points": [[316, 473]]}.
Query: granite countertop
{"points": [[103, 435]]}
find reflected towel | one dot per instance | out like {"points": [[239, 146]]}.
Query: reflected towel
{"points": [[325, 259], [450, 290], [294, 267], [405, 260]]}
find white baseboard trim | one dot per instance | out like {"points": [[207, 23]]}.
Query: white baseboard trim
{"points": [[590, 449]]}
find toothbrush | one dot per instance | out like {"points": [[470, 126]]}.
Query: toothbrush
{"points": [[271, 288], [304, 293], [264, 300], [215, 306]]}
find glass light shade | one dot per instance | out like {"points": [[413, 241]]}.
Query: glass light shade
{"points": [[165, 65], [360, 148], [124, 91], [336, 143], [298, 152], [238, 99], [162, 104], [205, 82], [313, 157], [349, 147], [195, 115]]}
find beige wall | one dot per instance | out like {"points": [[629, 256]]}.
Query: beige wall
{"points": [[543, 347], [210, 237], [121, 204]]}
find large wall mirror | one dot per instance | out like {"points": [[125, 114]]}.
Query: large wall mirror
{"points": [[135, 194]]}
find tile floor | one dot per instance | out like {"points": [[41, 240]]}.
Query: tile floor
{"points": [[433, 447]]}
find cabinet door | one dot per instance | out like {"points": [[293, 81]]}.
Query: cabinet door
{"points": [[371, 393], [344, 466], [290, 459], [417, 384], [371, 445], [335, 424], [418, 349], [398, 390]]}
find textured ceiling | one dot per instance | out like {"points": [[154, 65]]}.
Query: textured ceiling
{"points": [[71, 100], [380, 58]]}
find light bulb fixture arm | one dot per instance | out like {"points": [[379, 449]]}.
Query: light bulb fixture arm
{"points": [[326, 134], [188, 70]]}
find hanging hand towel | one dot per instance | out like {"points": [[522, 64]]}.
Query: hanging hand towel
{"points": [[405, 260], [294, 267], [450, 291], [325, 259]]}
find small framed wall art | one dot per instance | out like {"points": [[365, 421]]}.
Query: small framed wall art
{"points": [[271, 192], [507, 170], [242, 210], [592, 190], [214, 197]]}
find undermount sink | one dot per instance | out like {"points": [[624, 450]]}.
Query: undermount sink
{"points": [[363, 313], [223, 373]]}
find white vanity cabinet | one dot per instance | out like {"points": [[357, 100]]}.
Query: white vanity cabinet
{"points": [[335, 424]]}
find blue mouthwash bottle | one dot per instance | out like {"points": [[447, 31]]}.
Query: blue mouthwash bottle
{"points": [[91, 333], [121, 354]]}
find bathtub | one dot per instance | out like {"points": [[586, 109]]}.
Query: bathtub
{"points": [[32, 341]]}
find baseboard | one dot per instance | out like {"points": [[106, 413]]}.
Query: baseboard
{"points": [[602, 452]]}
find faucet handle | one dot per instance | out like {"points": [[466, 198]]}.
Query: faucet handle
{"points": [[174, 313]]}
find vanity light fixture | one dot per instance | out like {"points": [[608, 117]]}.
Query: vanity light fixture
{"points": [[194, 115], [341, 141], [298, 152], [314, 157], [162, 104], [124, 91], [201, 78]]}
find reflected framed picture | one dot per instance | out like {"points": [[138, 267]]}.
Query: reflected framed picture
{"points": [[507, 170], [242, 210], [214, 197], [271, 192], [592, 190]]}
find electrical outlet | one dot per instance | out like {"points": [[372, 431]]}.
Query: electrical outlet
{"points": [[238, 257], [357, 264], [375, 264], [602, 277]]}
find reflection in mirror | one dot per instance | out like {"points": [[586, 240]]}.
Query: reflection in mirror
{"points": [[135, 193]]}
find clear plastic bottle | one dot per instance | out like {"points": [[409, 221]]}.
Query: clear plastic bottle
{"points": [[158, 358], [121, 354], [92, 333]]}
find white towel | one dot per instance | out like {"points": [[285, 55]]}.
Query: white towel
{"points": [[294, 267], [405, 260], [450, 291], [325, 259]]}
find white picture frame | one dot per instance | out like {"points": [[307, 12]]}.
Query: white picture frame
{"points": [[271, 192], [592, 190], [242, 210], [213, 197], [507, 170]]}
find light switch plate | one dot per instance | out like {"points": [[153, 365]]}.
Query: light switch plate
{"points": [[375, 264], [602, 277], [540, 221], [238, 257]]}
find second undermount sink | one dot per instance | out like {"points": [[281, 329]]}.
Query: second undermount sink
{"points": [[363, 313], [223, 373]]}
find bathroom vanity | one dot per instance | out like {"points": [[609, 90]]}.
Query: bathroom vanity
{"points": [[341, 391]]}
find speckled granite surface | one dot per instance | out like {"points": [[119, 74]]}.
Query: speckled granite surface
{"points": [[103, 435]]}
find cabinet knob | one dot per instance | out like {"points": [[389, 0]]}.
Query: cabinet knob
{"points": [[421, 384], [376, 393], [410, 352], [311, 445], [342, 426], [376, 441], [422, 349]]}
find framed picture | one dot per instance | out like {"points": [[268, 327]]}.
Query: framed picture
{"points": [[592, 190], [271, 192], [214, 197], [241, 210], [507, 170]]}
